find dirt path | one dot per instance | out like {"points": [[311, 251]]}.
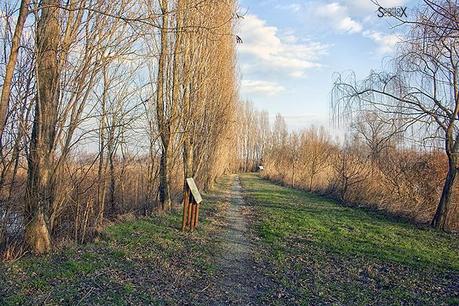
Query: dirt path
{"points": [[236, 276]]}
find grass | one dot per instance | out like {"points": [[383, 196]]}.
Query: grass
{"points": [[144, 261], [342, 254], [307, 250]]}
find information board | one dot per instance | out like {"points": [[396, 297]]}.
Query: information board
{"points": [[194, 190]]}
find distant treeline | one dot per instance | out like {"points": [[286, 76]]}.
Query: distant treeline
{"points": [[401, 181]]}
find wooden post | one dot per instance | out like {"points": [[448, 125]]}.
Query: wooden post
{"points": [[191, 200], [192, 216], [190, 212], [197, 215], [193, 219], [186, 203]]}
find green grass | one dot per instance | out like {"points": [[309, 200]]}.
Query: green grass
{"points": [[137, 262], [310, 234], [312, 251]]}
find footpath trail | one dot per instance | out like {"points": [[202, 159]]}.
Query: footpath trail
{"points": [[236, 276]]}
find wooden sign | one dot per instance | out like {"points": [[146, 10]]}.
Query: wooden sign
{"points": [[194, 190], [191, 200]]}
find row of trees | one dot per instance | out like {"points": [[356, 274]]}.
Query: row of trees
{"points": [[402, 148], [106, 106], [373, 167]]}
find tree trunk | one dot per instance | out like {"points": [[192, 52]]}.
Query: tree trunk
{"points": [[151, 176], [9, 70], [102, 169], [293, 176], [161, 101], [440, 218], [164, 189], [187, 172], [311, 181], [112, 183], [41, 181], [101, 190]]}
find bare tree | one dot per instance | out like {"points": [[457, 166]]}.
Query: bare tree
{"points": [[10, 66], [423, 89], [318, 150], [378, 133], [164, 108], [294, 154], [40, 184], [350, 171]]}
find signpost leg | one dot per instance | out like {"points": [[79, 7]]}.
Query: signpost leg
{"points": [[197, 215], [193, 219], [186, 203], [190, 213]]}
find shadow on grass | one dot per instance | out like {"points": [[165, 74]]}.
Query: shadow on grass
{"points": [[140, 262]]}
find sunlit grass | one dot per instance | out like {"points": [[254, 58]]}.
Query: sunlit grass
{"points": [[323, 252], [286, 213]]}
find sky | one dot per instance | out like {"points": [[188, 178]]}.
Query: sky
{"points": [[292, 49]]}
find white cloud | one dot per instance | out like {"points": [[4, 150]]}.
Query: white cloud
{"points": [[349, 25], [261, 87], [271, 50], [300, 121], [338, 16], [296, 74], [386, 42], [341, 15], [294, 7], [368, 6]]}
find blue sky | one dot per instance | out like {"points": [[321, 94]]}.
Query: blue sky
{"points": [[292, 48]]}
